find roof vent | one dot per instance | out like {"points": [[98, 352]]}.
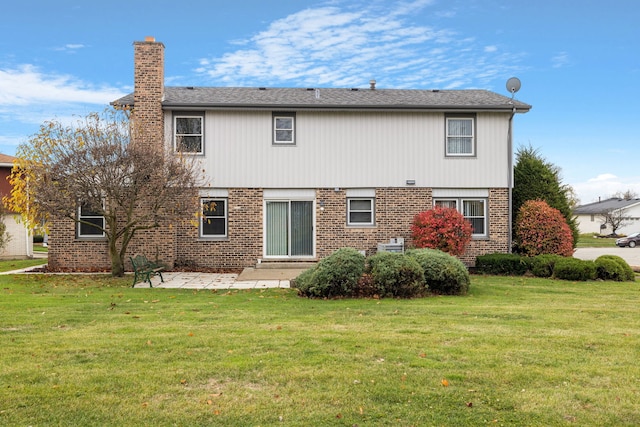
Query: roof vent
{"points": [[372, 84], [355, 89], [190, 87], [310, 88], [262, 88]]}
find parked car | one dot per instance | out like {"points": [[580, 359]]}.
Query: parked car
{"points": [[631, 240]]}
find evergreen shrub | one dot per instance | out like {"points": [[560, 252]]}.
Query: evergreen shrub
{"points": [[443, 273], [334, 276], [613, 267], [574, 269], [396, 275], [542, 265], [502, 264]]}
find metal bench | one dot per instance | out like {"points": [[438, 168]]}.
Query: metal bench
{"points": [[144, 269]]}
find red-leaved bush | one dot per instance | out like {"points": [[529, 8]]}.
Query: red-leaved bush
{"points": [[441, 228], [541, 229]]}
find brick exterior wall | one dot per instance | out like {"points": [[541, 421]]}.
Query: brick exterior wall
{"points": [[394, 210], [242, 248], [499, 229], [66, 252], [180, 245]]}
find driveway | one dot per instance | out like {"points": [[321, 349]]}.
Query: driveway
{"points": [[631, 255]]}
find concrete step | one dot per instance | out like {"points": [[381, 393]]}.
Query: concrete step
{"points": [[283, 265]]}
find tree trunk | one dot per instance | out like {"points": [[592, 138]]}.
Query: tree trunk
{"points": [[117, 264]]}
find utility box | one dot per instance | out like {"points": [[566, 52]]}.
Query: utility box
{"points": [[395, 244]]}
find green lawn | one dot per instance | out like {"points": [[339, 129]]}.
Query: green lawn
{"points": [[18, 264], [83, 350], [589, 241], [38, 247]]}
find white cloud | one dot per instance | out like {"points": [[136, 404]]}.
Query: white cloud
{"points": [[335, 46], [29, 97], [70, 47], [603, 186], [25, 85], [605, 177], [560, 60]]}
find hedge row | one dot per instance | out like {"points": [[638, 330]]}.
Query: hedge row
{"points": [[606, 267], [347, 273]]}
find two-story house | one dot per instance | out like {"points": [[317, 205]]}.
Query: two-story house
{"points": [[296, 173]]}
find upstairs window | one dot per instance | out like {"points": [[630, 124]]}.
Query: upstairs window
{"points": [[188, 135], [360, 211], [460, 136], [90, 223], [284, 129], [214, 218]]}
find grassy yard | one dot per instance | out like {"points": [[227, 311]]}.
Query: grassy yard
{"points": [[589, 241], [80, 350], [39, 247], [18, 264]]}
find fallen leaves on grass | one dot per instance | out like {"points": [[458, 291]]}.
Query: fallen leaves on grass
{"points": [[444, 382]]}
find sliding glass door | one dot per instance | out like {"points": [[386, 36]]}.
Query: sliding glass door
{"points": [[289, 228]]}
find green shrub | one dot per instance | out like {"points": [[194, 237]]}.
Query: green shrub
{"points": [[396, 275], [502, 264], [334, 276], [541, 229], [613, 267], [441, 228], [574, 269], [443, 274], [542, 265]]}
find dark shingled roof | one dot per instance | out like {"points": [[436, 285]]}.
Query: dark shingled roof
{"points": [[331, 98], [605, 206]]}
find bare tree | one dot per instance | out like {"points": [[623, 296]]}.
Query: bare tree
{"points": [[615, 218], [94, 167], [626, 195]]}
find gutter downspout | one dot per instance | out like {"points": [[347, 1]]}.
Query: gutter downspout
{"points": [[510, 178]]}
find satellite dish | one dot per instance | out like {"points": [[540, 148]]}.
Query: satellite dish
{"points": [[513, 85]]}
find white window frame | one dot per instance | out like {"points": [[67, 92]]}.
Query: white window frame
{"points": [[280, 116], [99, 234], [176, 136], [371, 211], [449, 136], [225, 216], [484, 216], [446, 203], [459, 206]]}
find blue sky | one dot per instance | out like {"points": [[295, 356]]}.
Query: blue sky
{"points": [[578, 60]]}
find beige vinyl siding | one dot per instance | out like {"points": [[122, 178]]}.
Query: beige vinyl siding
{"points": [[350, 149]]}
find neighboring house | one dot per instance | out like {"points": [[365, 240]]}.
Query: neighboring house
{"points": [[297, 173], [591, 217], [20, 243]]}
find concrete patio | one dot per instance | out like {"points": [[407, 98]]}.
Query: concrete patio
{"points": [[250, 278]]}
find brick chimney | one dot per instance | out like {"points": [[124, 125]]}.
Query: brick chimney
{"points": [[148, 121], [148, 63]]}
